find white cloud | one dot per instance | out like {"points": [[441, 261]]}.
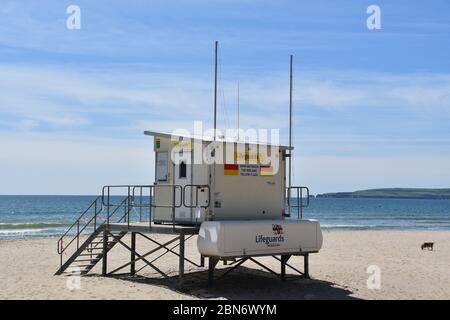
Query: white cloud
{"points": [[123, 103], [7, 7], [437, 96], [75, 158], [349, 173], [69, 97], [46, 164], [329, 95], [25, 125]]}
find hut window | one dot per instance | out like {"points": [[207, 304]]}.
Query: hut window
{"points": [[182, 170]]}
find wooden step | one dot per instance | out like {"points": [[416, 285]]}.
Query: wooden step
{"points": [[69, 269], [72, 273], [86, 260], [109, 236], [90, 254], [97, 248], [81, 266]]}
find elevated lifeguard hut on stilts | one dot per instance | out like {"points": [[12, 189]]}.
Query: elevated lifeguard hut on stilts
{"points": [[237, 204]]}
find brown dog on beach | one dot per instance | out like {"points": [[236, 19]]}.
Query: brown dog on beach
{"points": [[427, 245]]}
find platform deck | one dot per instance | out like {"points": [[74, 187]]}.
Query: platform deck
{"points": [[144, 227]]}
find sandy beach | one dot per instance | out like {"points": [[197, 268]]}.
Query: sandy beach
{"points": [[339, 271]]}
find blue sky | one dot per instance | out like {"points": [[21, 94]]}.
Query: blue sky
{"points": [[372, 107]]}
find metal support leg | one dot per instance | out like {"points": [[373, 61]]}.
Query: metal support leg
{"points": [[225, 262], [306, 263], [181, 260], [133, 255], [105, 253], [202, 261], [284, 260], [212, 262]]}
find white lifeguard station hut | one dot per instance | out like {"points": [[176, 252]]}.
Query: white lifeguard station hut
{"points": [[217, 180], [236, 195], [236, 192]]}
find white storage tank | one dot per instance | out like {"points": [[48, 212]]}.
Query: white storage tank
{"points": [[258, 237]]}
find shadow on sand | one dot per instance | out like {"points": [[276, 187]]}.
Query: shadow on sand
{"points": [[247, 283]]}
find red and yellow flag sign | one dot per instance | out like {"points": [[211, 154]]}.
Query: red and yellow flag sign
{"points": [[231, 169], [265, 171]]}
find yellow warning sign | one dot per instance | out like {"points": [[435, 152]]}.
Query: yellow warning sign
{"points": [[183, 144], [252, 157]]}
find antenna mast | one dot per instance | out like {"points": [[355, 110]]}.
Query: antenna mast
{"points": [[238, 110], [215, 92], [290, 121]]}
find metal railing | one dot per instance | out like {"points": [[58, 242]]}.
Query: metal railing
{"points": [[105, 208], [299, 204], [82, 218], [151, 204], [138, 194], [84, 223]]}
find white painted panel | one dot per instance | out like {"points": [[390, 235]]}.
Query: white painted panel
{"points": [[258, 237]]}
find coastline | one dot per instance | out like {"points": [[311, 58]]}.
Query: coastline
{"points": [[338, 271]]}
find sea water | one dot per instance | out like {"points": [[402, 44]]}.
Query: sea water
{"points": [[39, 216]]}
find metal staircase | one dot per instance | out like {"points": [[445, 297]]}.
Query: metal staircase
{"points": [[90, 237], [89, 253], [79, 254]]}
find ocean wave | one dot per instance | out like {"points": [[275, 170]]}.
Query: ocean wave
{"points": [[348, 225], [20, 231], [29, 233], [30, 226]]}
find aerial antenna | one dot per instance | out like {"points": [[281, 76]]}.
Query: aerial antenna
{"points": [[215, 91], [290, 121], [238, 111]]}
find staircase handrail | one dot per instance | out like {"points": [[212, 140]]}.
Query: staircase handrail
{"points": [[62, 248], [76, 223]]}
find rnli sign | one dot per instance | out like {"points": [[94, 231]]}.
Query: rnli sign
{"points": [[274, 240]]}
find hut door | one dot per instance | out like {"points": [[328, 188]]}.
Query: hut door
{"points": [[183, 176]]}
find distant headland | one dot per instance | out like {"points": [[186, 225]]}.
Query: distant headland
{"points": [[394, 193]]}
